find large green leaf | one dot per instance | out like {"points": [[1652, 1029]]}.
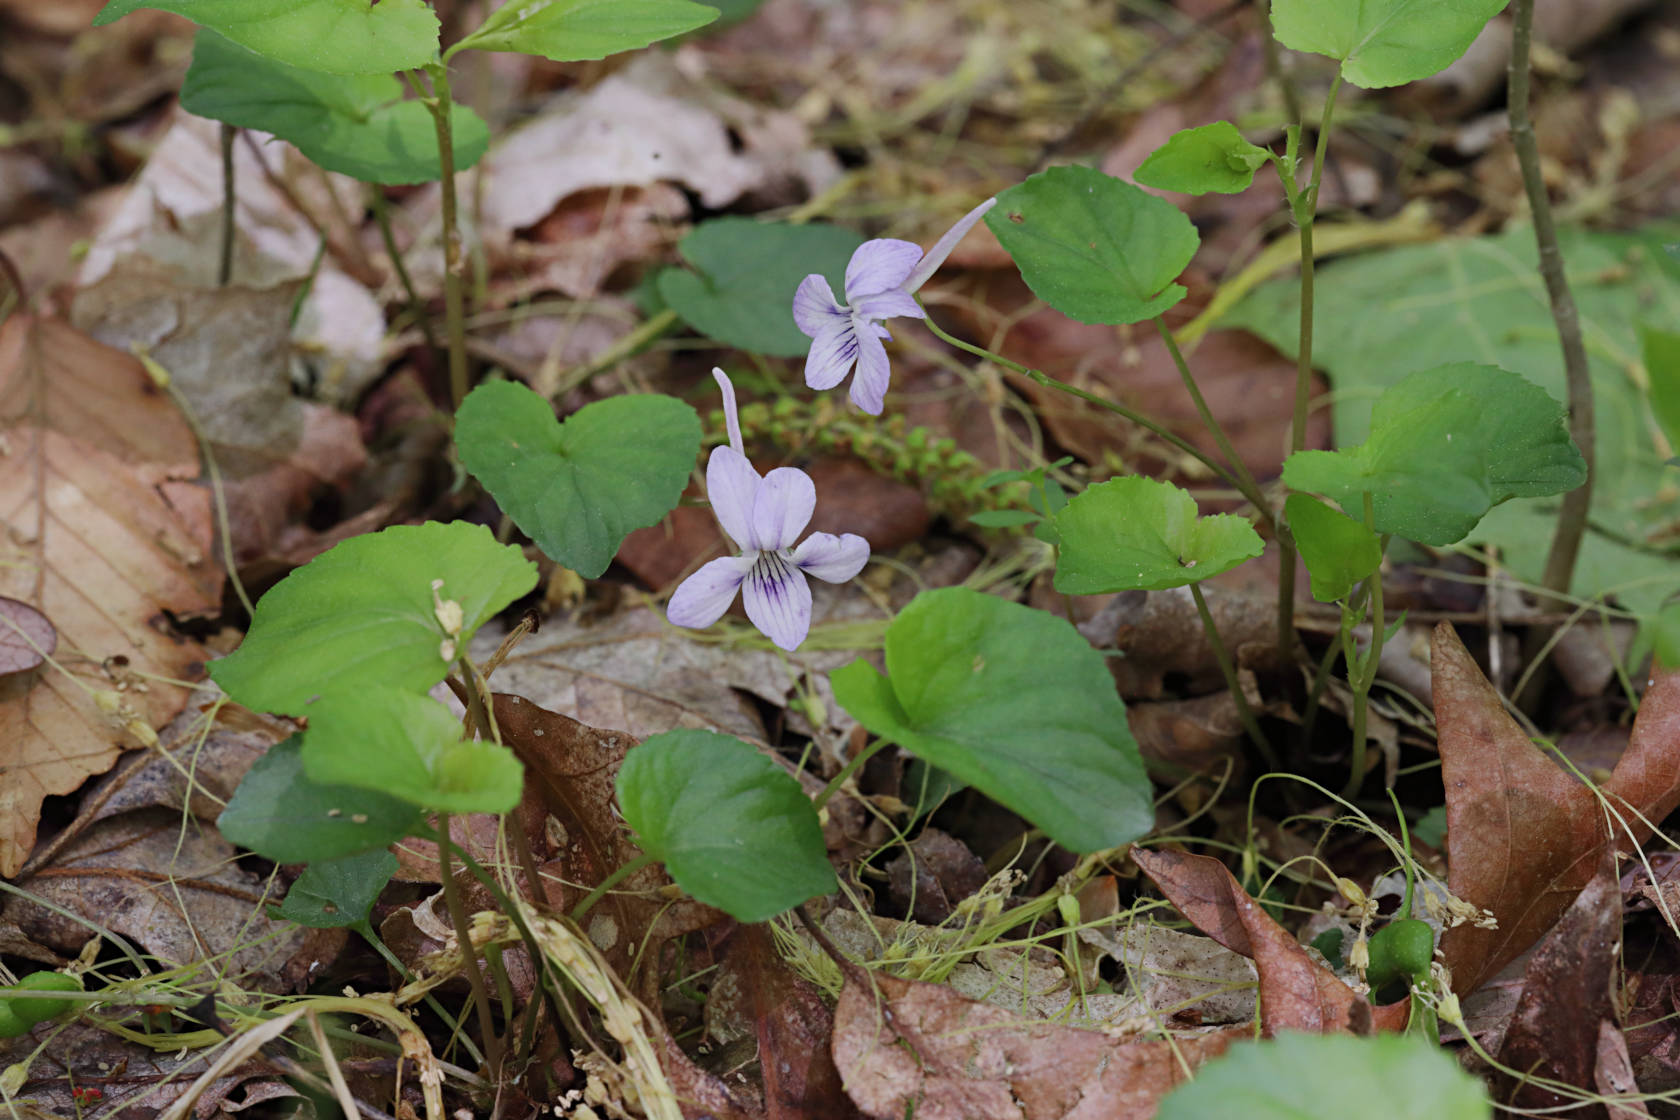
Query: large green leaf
{"points": [[741, 292], [1482, 300], [280, 814], [578, 488], [408, 746], [334, 893], [733, 828], [1660, 350], [1446, 446], [1015, 703], [574, 30], [363, 613], [1094, 248], [1383, 42], [1213, 158], [335, 36], [1138, 533], [1337, 550], [1299, 1076], [355, 124]]}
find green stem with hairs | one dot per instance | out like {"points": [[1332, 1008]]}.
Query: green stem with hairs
{"points": [[1232, 684], [469, 955], [441, 105], [1245, 481], [852, 767], [624, 871], [416, 306]]}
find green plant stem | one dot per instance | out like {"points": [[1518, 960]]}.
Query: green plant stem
{"points": [[852, 767], [1275, 71], [1315, 694], [614, 879], [1406, 850], [1226, 666], [454, 316], [371, 936], [1363, 672], [1245, 481], [416, 306], [1137, 418], [469, 955], [1572, 518], [650, 329], [224, 267]]}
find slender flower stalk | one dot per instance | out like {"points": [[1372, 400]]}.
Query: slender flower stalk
{"points": [[763, 515], [882, 279]]}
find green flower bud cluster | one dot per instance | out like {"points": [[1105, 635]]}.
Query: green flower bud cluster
{"points": [[951, 478]]}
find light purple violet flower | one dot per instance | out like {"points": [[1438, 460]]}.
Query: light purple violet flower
{"points": [[881, 280], [763, 516]]}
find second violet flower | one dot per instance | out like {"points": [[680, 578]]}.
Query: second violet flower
{"points": [[881, 281], [763, 515]]}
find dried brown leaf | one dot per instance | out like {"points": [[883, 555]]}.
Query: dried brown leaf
{"points": [[1566, 993], [27, 637], [1613, 1073], [101, 537], [1296, 991], [1522, 835], [795, 1032], [906, 1048], [1647, 777]]}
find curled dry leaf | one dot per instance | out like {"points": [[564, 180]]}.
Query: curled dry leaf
{"points": [[904, 1048], [1613, 1073], [102, 535], [1296, 991], [1523, 835], [27, 637], [1566, 994]]}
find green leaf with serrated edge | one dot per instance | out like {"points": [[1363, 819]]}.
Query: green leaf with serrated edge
{"points": [[355, 124], [731, 826], [1383, 42], [408, 746], [1481, 299], [334, 893], [1299, 1076], [363, 613], [1213, 158], [1094, 248], [1138, 533], [1446, 446], [335, 36], [578, 488], [282, 815], [1337, 550], [745, 275], [1661, 352], [1012, 701], [576, 30]]}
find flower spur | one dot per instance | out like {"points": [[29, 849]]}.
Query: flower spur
{"points": [[881, 281], [763, 516]]}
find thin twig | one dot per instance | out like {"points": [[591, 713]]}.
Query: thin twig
{"points": [[1572, 518], [417, 306]]}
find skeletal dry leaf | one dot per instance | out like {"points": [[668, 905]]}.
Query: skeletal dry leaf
{"points": [[103, 535], [27, 637]]}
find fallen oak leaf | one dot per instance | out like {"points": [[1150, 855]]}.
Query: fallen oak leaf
{"points": [[1647, 776], [27, 637], [1522, 835], [1296, 991]]}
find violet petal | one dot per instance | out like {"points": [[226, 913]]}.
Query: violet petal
{"points": [[889, 305], [880, 266], [786, 499], [732, 485], [869, 387], [831, 558], [731, 418], [832, 354], [778, 600], [701, 599], [942, 248], [814, 307]]}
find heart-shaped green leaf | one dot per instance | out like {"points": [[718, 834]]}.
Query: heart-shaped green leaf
{"points": [[741, 292], [364, 613], [335, 36], [1138, 533], [1383, 42], [334, 893], [578, 488], [1330, 1077], [408, 746], [1446, 446], [1015, 703], [1661, 351], [355, 124], [732, 828], [575, 30], [1094, 248], [280, 814], [1213, 158], [1337, 550]]}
